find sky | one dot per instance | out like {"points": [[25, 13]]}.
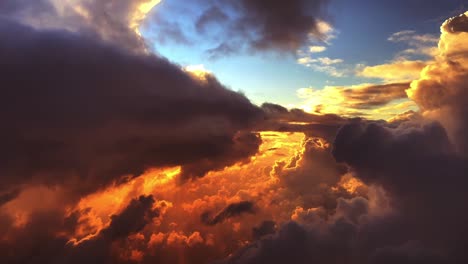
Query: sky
{"points": [[233, 132], [358, 37]]}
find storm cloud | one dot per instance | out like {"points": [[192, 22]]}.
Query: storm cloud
{"points": [[91, 112]]}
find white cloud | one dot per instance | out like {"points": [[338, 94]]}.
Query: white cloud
{"points": [[317, 49]]}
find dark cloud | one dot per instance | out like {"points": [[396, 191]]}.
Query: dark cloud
{"points": [[264, 229], [8, 196], [457, 24], [298, 244], [232, 210], [41, 241], [170, 32], [278, 118], [280, 26], [134, 218], [85, 113], [16, 7], [245, 145], [421, 171], [131, 220], [213, 15], [253, 25]]}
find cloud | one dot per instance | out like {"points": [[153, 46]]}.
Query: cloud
{"points": [[441, 90], [323, 64], [278, 26], [407, 64], [360, 229], [102, 134], [88, 120], [321, 60], [412, 37], [414, 167], [394, 71], [252, 26], [317, 49], [232, 210], [213, 15], [265, 228], [418, 44], [40, 235], [116, 22], [138, 213], [354, 100]]}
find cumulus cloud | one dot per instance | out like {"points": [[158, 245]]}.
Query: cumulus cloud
{"points": [[415, 166], [360, 229], [441, 91]]}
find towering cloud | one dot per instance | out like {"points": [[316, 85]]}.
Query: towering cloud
{"points": [[442, 91]]}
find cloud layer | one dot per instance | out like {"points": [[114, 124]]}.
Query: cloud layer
{"points": [[136, 160]]}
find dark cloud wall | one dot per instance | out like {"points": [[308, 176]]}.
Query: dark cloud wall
{"points": [[85, 113]]}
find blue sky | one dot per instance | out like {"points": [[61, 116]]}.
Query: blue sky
{"points": [[361, 29]]}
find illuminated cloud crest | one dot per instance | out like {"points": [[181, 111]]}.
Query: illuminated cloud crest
{"points": [[113, 21], [442, 91]]}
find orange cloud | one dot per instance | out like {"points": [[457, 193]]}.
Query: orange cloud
{"points": [[268, 180], [441, 90]]}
